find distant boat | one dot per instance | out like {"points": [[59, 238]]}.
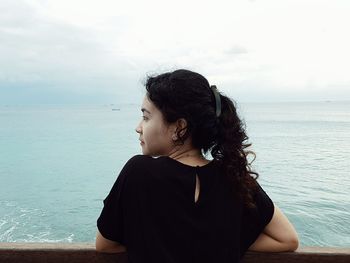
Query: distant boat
{"points": [[115, 109]]}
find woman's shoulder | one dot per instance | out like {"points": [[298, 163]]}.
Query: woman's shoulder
{"points": [[144, 163], [138, 162], [146, 160], [143, 168], [140, 158]]}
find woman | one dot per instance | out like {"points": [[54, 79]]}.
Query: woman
{"points": [[172, 204]]}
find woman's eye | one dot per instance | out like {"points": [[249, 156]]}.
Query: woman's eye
{"points": [[144, 118]]}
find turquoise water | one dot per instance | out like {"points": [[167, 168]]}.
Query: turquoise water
{"points": [[57, 163]]}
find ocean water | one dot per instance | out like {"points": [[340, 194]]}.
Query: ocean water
{"points": [[57, 164]]}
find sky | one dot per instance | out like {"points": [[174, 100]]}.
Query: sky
{"points": [[100, 52]]}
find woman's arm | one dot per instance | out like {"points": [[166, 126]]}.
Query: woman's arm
{"points": [[279, 235], [105, 245]]}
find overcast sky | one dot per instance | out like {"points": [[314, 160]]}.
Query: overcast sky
{"points": [[58, 51]]}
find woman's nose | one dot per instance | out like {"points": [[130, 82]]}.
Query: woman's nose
{"points": [[138, 128]]}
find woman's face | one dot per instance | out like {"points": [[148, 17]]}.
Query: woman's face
{"points": [[155, 134]]}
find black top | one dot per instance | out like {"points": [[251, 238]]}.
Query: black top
{"points": [[151, 210]]}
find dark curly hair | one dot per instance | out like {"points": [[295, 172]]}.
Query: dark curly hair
{"points": [[186, 94]]}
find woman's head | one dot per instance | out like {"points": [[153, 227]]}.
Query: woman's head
{"points": [[156, 135], [186, 95], [185, 104]]}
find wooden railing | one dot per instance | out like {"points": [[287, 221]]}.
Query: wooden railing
{"points": [[82, 252]]}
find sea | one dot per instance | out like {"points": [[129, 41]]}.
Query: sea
{"points": [[58, 163]]}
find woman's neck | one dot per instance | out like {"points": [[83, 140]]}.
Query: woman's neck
{"points": [[191, 157]]}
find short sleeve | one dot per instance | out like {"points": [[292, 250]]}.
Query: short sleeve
{"points": [[116, 212], [110, 222], [254, 220]]}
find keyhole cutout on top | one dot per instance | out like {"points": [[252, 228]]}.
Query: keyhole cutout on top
{"points": [[197, 190]]}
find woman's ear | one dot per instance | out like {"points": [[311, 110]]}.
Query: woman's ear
{"points": [[181, 126]]}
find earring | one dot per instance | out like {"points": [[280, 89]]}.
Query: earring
{"points": [[174, 137]]}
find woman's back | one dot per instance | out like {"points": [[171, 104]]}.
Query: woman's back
{"points": [[162, 222]]}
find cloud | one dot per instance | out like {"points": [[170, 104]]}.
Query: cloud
{"points": [[86, 48], [41, 55], [236, 50]]}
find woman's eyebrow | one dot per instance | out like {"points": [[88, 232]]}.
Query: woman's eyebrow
{"points": [[144, 110]]}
